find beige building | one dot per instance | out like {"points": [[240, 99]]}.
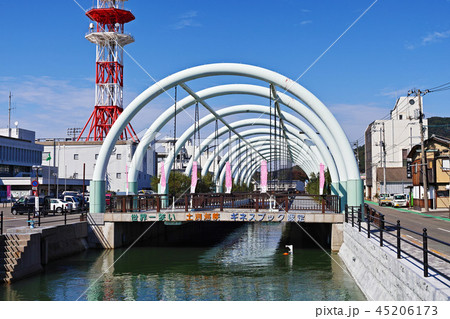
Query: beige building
{"points": [[438, 172]]}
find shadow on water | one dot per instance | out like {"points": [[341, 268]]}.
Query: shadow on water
{"points": [[247, 265]]}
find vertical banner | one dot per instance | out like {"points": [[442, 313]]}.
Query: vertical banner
{"points": [[263, 176], [321, 178], [8, 192], [163, 178], [194, 177], [228, 180]]}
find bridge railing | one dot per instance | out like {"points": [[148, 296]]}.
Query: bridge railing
{"points": [[282, 201], [373, 222]]}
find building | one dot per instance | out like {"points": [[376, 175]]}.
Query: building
{"points": [[18, 155], [73, 157], [387, 144], [438, 172]]}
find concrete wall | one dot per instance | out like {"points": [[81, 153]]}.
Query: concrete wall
{"points": [[44, 245], [381, 276]]}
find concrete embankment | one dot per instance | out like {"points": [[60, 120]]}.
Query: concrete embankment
{"points": [[381, 276], [24, 251]]}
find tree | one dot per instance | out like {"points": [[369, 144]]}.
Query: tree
{"points": [[312, 187]]}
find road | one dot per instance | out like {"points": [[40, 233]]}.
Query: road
{"points": [[437, 227], [10, 220]]}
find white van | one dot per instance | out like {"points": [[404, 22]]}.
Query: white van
{"points": [[399, 200]]}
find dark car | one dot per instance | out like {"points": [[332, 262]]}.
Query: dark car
{"points": [[26, 204]]}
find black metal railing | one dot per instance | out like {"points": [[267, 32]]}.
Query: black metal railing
{"points": [[377, 226]]}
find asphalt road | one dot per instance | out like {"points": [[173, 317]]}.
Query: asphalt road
{"points": [[436, 227]]}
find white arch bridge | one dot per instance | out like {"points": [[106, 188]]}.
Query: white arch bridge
{"points": [[310, 133]]}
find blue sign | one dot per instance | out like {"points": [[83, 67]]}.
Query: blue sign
{"points": [[35, 183]]}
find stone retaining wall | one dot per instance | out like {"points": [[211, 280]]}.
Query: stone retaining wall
{"points": [[381, 276]]}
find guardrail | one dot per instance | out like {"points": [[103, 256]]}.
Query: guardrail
{"points": [[374, 223], [254, 201], [40, 219]]}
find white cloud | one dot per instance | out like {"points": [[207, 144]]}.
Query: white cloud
{"points": [[47, 105], [429, 39], [187, 20], [354, 118], [305, 22]]}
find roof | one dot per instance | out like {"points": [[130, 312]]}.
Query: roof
{"points": [[434, 138], [393, 174]]}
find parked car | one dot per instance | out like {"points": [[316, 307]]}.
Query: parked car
{"points": [[25, 204], [74, 201], [400, 200], [385, 199], [59, 206]]}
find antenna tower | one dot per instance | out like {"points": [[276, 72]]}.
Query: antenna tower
{"points": [[109, 37]]}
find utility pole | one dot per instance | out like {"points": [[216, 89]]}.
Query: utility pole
{"points": [[384, 161], [424, 165], [9, 115]]}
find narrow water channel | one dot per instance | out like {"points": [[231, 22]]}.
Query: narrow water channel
{"points": [[247, 265]]}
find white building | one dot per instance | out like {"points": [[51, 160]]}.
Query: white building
{"points": [[70, 157], [387, 144]]}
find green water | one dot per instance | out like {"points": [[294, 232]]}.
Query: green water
{"points": [[247, 265]]}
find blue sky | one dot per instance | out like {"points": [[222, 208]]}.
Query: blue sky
{"points": [[397, 45]]}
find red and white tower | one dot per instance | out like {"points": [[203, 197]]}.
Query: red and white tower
{"points": [[110, 39]]}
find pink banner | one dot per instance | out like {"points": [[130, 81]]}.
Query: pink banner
{"points": [[263, 176], [163, 178], [228, 180], [8, 192], [321, 178], [194, 177]]}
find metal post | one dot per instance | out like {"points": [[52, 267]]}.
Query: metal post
{"points": [[221, 202], [381, 229], [158, 203], [186, 203], [359, 219], [425, 252], [346, 213], [29, 213], [323, 204], [1, 222], [353, 217], [368, 222], [65, 216], [399, 252], [39, 219]]}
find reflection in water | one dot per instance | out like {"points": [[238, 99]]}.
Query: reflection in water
{"points": [[247, 265]]}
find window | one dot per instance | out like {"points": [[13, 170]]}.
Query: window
{"points": [[75, 157], [446, 164], [119, 156], [118, 175], [400, 117], [96, 156]]}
